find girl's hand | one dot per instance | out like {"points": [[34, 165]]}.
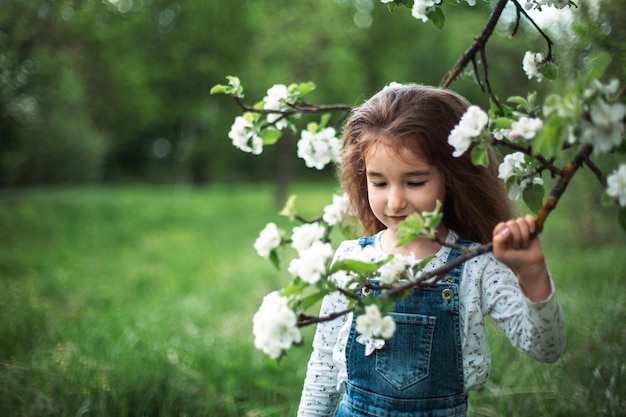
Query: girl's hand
{"points": [[515, 245]]}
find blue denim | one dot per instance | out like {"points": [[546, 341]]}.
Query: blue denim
{"points": [[419, 371]]}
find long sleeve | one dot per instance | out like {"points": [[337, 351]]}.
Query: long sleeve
{"points": [[319, 394], [536, 328]]}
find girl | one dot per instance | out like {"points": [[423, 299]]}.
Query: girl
{"points": [[397, 161]]}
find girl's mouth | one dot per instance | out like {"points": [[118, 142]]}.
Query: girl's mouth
{"points": [[397, 218]]}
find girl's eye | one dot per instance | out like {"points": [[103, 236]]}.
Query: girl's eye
{"points": [[378, 184], [415, 183]]}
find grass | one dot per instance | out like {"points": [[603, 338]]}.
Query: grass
{"points": [[137, 301]]}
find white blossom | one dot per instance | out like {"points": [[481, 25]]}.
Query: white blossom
{"points": [[470, 126], [311, 264], [606, 130], [515, 165], [274, 325], [320, 148], [243, 135], [268, 239], [512, 165], [421, 8], [393, 270], [525, 127], [304, 236], [337, 211], [604, 89], [277, 98], [516, 191], [616, 185], [531, 63], [372, 325]]}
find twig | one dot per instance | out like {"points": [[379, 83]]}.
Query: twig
{"points": [[559, 188], [479, 42], [547, 164]]}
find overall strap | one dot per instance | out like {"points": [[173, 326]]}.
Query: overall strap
{"points": [[457, 271], [366, 241]]}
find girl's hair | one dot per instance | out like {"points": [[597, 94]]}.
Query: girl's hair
{"points": [[419, 119]]}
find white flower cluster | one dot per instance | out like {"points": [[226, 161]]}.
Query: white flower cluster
{"points": [[515, 165], [605, 127], [391, 272], [311, 265], [245, 130], [244, 135], [421, 8], [268, 240], [616, 185], [277, 98], [338, 210], [274, 326], [304, 236], [318, 149], [373, 325], [470, 126], [532, 63], [559, 4], [525, 127]]}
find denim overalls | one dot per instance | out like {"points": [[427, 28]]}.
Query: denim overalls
{"points": [[419, 371]]}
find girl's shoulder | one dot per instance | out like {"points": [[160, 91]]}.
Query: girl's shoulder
{"points": [[365, 249]]}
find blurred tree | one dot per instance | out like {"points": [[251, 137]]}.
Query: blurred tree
{"points": [[47, 134]]}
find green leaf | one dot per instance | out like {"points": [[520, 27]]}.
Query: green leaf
{"points": [[548, 141], [289, 210], [234, 87], [219, 89], [270, 135], [502, 123], [480, 155], [533, 197], [311, 299], [410, 228], [600, 61], [552, 104], [323, 121], [521, 102], [294, 288], [359, 267], [274, 259], [549, 70], [304, 89], [437, 17]]}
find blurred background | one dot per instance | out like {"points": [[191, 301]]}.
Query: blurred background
{"points": [[117, 91], [127, 275]]}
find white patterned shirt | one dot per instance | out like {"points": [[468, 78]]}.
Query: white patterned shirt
{"points": [[487, 287]]}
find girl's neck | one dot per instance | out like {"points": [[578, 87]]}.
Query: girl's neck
{"points": [[420, 248]]}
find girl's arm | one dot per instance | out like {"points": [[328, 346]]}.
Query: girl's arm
{"points": [[515, 245], [534, 325], [319, 394]]}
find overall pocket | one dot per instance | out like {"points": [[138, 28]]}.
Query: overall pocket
{"points": [[405, 358]]}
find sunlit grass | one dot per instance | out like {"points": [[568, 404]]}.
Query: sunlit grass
{"points": [[138, 301]]}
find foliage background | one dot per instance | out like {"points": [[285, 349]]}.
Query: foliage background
{"points": [[118, 91]]}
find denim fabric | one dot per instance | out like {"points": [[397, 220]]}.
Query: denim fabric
{"points": [[419, 371]]}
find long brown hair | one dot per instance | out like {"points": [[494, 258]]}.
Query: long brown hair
{"points": [[420, 118]]}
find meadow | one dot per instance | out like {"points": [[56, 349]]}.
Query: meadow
{"points": [[137, 301]]}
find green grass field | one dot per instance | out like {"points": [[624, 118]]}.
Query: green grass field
{"points": [[138, 301]]}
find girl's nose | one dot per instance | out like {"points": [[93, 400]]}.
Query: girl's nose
{"points": [[396, 200]]}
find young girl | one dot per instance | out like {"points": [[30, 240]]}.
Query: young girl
{"points": [[397, 161]]}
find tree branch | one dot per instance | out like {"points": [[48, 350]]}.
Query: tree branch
{"points": [[559, 188], [475, 47]]}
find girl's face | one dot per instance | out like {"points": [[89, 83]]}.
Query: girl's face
{"points": [[400, 183]]}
